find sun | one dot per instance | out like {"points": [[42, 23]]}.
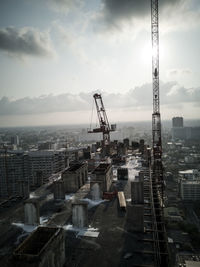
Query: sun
{"points": [[147, 53]]}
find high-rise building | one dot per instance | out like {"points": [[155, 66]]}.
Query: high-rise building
{"points": [[14, 140], [14, 173], [19, 169], [177, 122], [184, 133], [47, 162]]}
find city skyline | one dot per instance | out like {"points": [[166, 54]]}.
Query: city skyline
{"points": [[55, 54]]}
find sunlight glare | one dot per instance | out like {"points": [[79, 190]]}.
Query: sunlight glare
{"points": [[147, 52]]}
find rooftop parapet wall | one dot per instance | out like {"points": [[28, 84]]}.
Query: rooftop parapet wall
{"points": [[75, 168], [103, 168], [103, 173], [44, 247], [75, 177]]}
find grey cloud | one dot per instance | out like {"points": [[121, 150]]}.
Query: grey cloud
{"points": [[25, 41], [174, 72], [43, 104], [67, 2], [115, 11], [139, 97], [63, 6], [186, 71]]}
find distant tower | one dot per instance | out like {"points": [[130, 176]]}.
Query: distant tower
{"points": [[14, 140], [178, 131], [177, 122]]}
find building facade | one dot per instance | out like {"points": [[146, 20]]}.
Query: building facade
{"points": [[14, 173], [46, 162], [190, 190], [19, 170]]}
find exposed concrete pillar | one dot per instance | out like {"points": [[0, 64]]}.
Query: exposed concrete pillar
{"points": [[137, 191], [59, 190], [24, 189], [135, 218], [31, 211], [80, 214], [95, 191]]}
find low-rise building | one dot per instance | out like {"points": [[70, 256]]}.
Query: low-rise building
{"points": [[190, 190]]}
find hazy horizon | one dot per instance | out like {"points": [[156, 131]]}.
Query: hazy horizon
{"points": [[168, 123]]}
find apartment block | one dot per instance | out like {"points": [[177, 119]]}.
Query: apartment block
{"points": [[46, 162], [14, 173]]}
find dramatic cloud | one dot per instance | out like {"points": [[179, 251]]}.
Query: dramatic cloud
{"points": [[116, 11], [134, 15], [171, 94], [125, 9], [25, 41]]}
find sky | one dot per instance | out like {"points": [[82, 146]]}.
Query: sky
{"points": [[55, 54]]}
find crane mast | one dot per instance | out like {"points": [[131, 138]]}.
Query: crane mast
{"points": [[156, 120], [157, 183]]}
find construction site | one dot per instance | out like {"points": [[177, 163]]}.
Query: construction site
{"points": [[105, 211]]}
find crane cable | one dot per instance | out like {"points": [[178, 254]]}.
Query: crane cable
{"points": [[92, 115]]}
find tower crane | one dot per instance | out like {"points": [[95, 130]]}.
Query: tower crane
{"points": [[157, 183], [104, 126], [156, 118]]}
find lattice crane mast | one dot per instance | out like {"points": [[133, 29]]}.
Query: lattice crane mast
{"points": [[103, 121], [156, 119], [157, 184]]}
